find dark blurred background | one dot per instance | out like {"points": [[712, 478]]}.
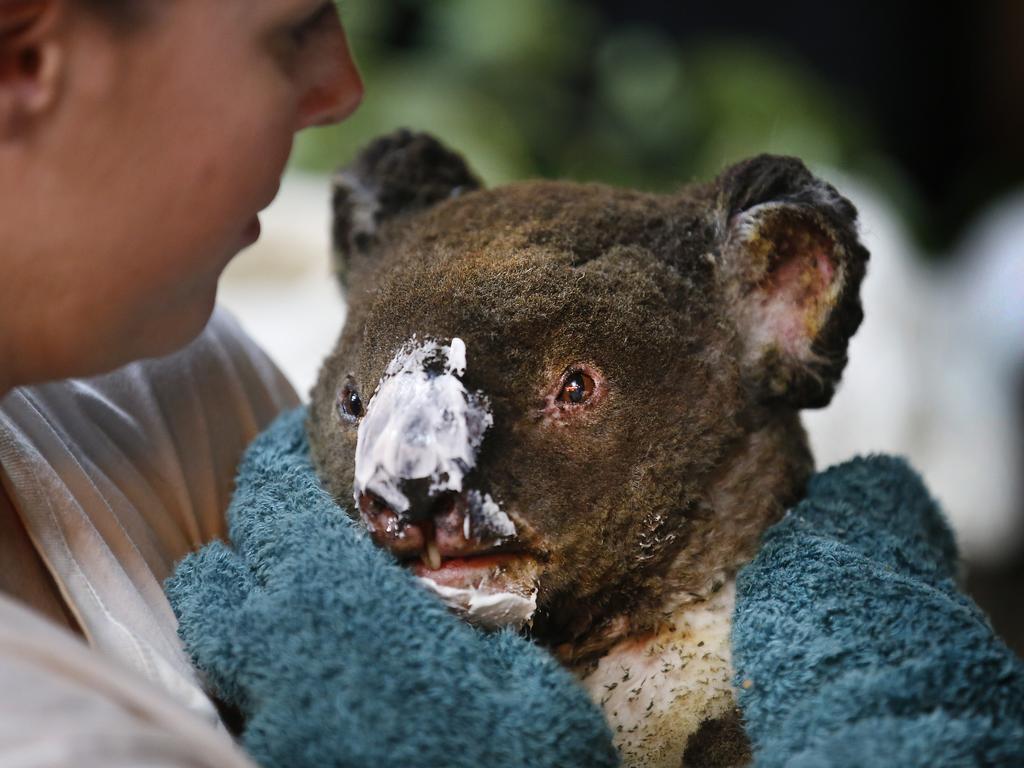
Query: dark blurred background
{"points": [[921, 100], [924, 98]]}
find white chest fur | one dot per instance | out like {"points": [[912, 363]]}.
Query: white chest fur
{"points": [[656, 692]]}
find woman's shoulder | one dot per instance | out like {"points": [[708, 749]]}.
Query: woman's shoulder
{"points": [[116, 477], [222, 362], [174, 426]]}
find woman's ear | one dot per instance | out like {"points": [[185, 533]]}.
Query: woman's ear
{"points": [[31, 62], [792, 266]]}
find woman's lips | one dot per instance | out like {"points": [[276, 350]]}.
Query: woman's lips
{"points": [[252, 232]]}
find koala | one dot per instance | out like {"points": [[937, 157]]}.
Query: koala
{"points": [[573, 409]]}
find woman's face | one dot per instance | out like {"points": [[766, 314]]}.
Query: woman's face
{"points": [[124, 199]]}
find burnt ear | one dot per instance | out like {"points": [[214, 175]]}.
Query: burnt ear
{"points": [[395, 174], [792, 266]]}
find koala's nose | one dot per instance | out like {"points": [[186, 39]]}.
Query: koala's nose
{"points": [[423, 502], [449, 525], [421, 431]]}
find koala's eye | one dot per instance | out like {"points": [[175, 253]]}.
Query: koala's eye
{"points": [[577, 388], [574, 395], [350, 404]]}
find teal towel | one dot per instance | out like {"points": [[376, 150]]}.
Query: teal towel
{"points": [[852, 644], [337, 658]]}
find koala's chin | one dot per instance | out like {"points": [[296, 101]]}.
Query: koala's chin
{"points": [[574, 409]]}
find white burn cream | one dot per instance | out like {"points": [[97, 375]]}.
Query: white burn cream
{"points": [[421, 423], [487, 517], [490, 610]]}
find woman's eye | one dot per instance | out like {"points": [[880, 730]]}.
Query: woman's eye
{"points": [[350, 405], [576, 389], [301, 32]]}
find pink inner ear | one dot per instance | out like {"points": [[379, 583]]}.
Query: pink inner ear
{"points": [[793, 299]]}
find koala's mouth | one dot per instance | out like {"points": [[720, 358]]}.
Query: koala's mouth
{"points": [[478, 568]]}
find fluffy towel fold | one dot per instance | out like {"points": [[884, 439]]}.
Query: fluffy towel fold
{"points": [[337, 658], [853, 645]]}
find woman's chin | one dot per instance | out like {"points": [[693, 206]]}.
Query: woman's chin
{"points": [[112, 329], [166, 329], [197, 315]]}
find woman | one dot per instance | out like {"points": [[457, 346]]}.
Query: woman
{"points": [[139, 139]]}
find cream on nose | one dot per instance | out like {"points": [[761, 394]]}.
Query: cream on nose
{"points": [[422, 429]]}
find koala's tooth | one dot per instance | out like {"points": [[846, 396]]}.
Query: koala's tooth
{"points": [[432, 557]]}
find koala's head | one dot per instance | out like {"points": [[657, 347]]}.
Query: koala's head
{"points": [[571, 404]]}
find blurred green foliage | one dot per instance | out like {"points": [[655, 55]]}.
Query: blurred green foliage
{"points": [[548, 88]]}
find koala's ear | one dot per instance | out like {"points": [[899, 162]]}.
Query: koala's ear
{"points": [[792, 266], [395, 174]]}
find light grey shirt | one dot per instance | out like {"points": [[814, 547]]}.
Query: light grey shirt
{"points": [[116, 478]]}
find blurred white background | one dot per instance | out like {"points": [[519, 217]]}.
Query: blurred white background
{"points": [[282, 289]]}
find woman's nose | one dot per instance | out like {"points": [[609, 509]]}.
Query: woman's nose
{"points": [[334, 87]]}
